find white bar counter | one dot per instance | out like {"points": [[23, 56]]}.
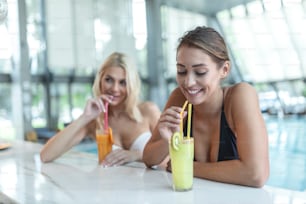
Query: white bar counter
{"points": [[76, 178]]}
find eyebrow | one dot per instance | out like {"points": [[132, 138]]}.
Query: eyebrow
{"points": [[110, 76], [195, 65]]}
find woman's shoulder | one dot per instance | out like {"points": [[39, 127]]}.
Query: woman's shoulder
{"points": [[240, 89], [241, 85], [240, 94]]}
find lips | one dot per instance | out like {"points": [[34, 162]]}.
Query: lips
{"points": [[115, 98], [193, 91]]}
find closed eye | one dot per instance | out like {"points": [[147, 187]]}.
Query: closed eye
{"points": [[108, 79], [181, 72], [123, 83], [200, 73]]}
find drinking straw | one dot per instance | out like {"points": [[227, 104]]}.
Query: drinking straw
{"points": [[99, 123], [189, 120], [106, 117], [181, 114]]}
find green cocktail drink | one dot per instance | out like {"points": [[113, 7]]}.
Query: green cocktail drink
{"points": [[181, 154]]}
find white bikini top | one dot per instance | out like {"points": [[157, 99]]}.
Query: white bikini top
{"points": [[139, 143]]}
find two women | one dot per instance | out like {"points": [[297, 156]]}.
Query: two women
{"points": [[230, 137]]}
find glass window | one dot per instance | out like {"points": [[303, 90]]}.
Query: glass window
{"points": [[80, 43], [175, 23], [5, 51], [295, 14], [6, 124], [80, 94], [140, 35], [266, 43], [272, 5], [38, 107], [36, 40]]}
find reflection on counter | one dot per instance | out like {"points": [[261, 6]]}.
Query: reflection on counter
{"points": [[76, 177]]}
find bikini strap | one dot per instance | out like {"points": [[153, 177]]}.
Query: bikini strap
{"points": [[222, 109], [185, 125]]}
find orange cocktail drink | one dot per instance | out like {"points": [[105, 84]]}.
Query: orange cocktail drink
{"points": [[104, 142]]}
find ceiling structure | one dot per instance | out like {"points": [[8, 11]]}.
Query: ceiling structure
{"points": [[206, 7]]}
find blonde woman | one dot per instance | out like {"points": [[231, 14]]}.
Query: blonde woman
{"points": [[117, 83]]}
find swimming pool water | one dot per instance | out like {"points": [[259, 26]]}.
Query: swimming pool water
{"points": [[287, 147]]}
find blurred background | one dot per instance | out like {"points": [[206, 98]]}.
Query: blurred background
{"points": [[50, 51]]}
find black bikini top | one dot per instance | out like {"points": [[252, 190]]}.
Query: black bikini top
{"points": [[227, 147]]}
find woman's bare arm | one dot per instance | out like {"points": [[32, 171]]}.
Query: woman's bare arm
{"points": [[73, 133], [156, 149], [64, 140]]}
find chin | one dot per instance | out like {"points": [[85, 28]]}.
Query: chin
{"points": [[193, 98], [117, 102], [193, 102]]}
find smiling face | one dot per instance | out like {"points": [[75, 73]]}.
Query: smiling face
{"points": [[113, 82], [198, 76]]}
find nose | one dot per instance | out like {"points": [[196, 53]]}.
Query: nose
{"points": [[189, 80], [115, 87]]}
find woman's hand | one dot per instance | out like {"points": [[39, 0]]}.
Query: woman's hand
{"points": [[119, 156], [169, 122], [95, 106]]}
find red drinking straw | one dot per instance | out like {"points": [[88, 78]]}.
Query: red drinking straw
{"points": [[106, 117]]}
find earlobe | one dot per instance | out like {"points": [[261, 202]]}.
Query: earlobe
{"points": [[225, 69]]}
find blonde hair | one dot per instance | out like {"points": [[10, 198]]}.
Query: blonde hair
{"points": [[133, 82]]}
